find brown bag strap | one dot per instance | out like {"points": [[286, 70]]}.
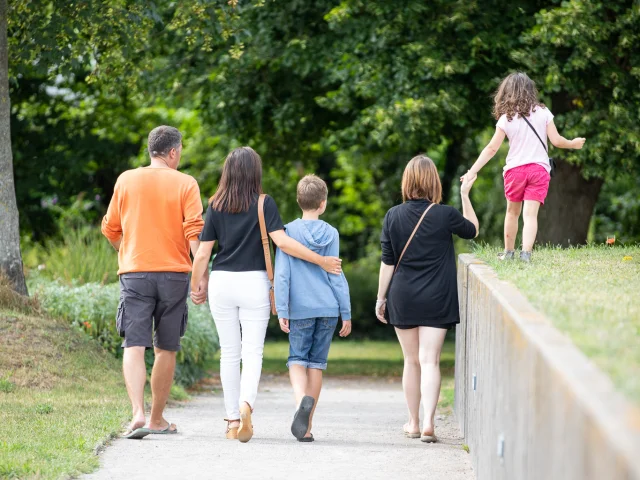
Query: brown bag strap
{"points": [[265, 239], [412, 235]]}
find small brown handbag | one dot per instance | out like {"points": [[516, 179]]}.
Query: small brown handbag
{"points": [[266, 246]]}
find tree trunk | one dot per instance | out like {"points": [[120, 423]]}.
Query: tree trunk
{"points": [[564, 219], [10, 258]]}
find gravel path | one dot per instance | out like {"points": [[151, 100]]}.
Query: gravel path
{"points": [[358, 431]]}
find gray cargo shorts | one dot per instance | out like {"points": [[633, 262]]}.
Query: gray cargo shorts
{"points": [[153, 304]]}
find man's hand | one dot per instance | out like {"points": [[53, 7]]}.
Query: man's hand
{"points": [[577, 143], [284, 324], [346, 328], [200, 296], [332, 265], [381, 306]]}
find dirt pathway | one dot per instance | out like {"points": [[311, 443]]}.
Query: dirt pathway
{"points": [[358, 431]]}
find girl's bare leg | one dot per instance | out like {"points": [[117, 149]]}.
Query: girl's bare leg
{"points": [[530, 229], [511, 224]]}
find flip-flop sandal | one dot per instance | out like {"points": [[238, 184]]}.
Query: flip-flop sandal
{"points": [[409, 434], [164, 431], [300, 425], [428, 439], [306, 439], [137, 434]]}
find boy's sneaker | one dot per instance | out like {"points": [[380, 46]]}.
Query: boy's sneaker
{"points": [[525, 256], [507, 255]]}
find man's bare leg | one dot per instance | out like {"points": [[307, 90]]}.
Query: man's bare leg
{"points": [[161, 381], [135, 377]]}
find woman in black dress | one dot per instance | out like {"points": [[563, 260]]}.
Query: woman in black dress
{"points": [[422, 302]]}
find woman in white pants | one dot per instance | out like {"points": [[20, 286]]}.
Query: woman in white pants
{"points": [[239, 286]]}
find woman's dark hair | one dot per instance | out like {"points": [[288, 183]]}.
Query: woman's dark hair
{"points": [[516, 95], [240, 183]]}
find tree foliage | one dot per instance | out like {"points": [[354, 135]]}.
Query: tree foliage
{"points": [[348, 89]]}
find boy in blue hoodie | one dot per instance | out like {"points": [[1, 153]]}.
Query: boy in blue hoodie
{"points": [[309, 301]]}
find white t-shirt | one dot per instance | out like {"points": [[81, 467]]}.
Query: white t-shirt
{"points": [[524, 146]]}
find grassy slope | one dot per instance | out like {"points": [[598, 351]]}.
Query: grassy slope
{"points": [[366, 358], [592, 294], [61, 395]]}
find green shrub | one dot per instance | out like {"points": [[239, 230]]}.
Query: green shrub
{"points": [[83, 255], [92, 307]]}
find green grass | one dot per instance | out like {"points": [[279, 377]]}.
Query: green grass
{"points": [[61, 397], [592, 294], [363, 358]]}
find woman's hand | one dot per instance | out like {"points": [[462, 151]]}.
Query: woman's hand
{"points": [[199, 296], [381, 306], [332, 265], [467, 182]]}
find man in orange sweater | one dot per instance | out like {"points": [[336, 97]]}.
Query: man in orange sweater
{"points": [[153, 220]]}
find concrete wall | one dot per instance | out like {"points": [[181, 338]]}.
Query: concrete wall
{"points": [[540, 410]]}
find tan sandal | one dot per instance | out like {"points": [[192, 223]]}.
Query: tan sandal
{"points": [[428, 438], [409, 434], [245, 432], [232, 432]]}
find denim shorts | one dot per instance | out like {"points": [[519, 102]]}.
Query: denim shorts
{"points": [[309, 341]]}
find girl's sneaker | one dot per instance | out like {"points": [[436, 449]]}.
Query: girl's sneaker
{"points": [[525, 256], [507, 255]]}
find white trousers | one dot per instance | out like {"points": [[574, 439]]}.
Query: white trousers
{"points": [[240, 307]]}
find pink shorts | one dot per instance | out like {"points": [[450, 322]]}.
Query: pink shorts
{"points": [[527, 182]]}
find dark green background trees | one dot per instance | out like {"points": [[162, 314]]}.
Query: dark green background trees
{"points": [[350, 90]]}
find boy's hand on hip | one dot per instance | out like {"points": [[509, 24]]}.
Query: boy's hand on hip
{"points": [[577, 143], [346, 328], [284, 324], [332, 265]]}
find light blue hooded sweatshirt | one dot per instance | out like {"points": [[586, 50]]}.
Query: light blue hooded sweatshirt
{"points": [[303, 289]]}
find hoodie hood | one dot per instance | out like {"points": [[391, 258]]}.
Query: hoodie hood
{"points": [[314, 234]]}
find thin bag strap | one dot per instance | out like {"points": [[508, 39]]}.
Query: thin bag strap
{"points": [[412, 235], [265, 239], [534, 131]]}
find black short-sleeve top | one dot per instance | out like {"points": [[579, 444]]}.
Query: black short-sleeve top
{"points": [[424, 289], [238, 236]]}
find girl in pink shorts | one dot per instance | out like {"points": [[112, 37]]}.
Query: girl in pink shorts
{"points": [[527, 172]]}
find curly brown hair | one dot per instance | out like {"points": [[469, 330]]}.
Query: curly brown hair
{"points": [[516, 95]]}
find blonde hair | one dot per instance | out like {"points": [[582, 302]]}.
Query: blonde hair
{"points": [[420, 180], [311, 192], [516, 95]]}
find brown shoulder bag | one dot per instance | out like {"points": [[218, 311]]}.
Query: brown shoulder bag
{"points": [[266, 246]]}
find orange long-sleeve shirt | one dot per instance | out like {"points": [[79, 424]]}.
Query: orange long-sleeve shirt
{"points": [[156, 212]]}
